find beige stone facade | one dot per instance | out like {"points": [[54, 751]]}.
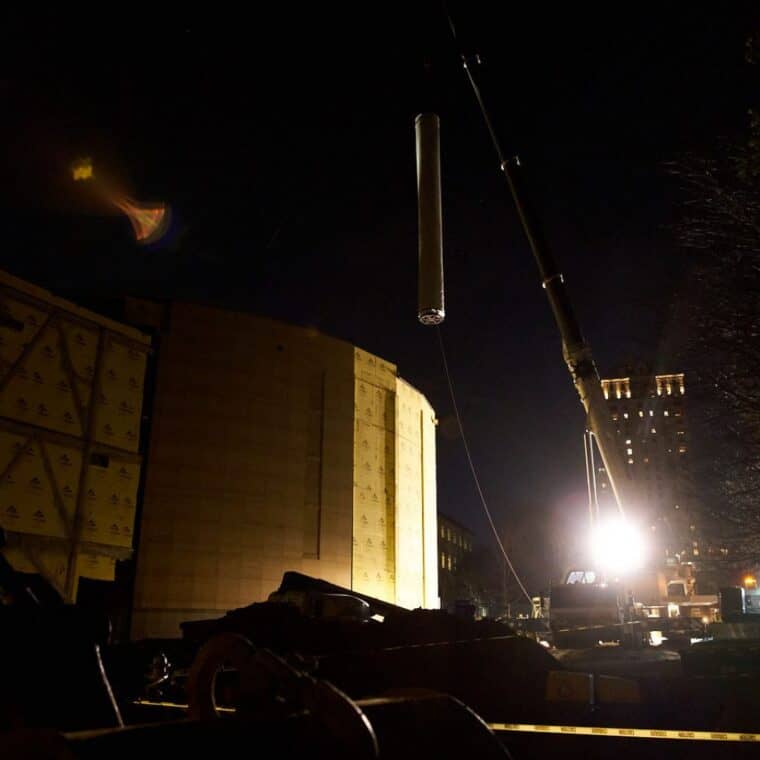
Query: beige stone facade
{"points": [[277, 448]]}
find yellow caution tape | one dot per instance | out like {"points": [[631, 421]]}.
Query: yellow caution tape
{"points": [[628, 733]]}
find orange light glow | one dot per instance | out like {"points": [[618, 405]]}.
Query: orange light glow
{"points": [[750, 581], [82, 170], [148, 222]]}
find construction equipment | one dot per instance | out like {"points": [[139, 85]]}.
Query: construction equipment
{"points": [[52, 669], [597, 604], [282, 711]]}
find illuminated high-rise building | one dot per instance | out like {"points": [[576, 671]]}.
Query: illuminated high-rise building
{"points": [[649, 414]]}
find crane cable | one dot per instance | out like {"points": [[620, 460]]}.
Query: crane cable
{"points": [[473, 471], [497, 146]]}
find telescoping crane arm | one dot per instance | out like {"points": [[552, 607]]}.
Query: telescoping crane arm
{"points": [[575, 349]]}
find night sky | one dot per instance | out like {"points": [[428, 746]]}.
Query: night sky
{"points": [[285, 146]]}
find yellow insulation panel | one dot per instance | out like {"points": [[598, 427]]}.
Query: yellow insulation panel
{"points": [[27, 494], [53, 560], [96, 566], [416, 515], [31, 318], [49, 560], [429, 504], [119, 401], [109, 503], [70, 381], [50, 368], [374, 370], [39, 492], [39, 391], [373, 555]]}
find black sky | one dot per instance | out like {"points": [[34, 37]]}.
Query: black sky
{"points": [[284, 143]]}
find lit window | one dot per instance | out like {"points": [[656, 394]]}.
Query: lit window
{"points": [[627, 440], [641, 414], [443, 561], [629, 451], [625, 414], [682, 449], [443, 532], [630, 460], [666, 413], [651, 412], [693, 528], [448, 561], [677, 507]]}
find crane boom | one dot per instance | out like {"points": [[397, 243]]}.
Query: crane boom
{"points": [[575, 349]]}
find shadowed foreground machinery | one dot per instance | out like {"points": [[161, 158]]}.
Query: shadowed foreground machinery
{"points": [[334, 634], [315, 670], [282, 712]]}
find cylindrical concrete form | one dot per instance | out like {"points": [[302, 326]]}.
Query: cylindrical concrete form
{"points": [[430, 228]]}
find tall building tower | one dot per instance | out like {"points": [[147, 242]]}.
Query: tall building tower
{"points": [[649, 414]]}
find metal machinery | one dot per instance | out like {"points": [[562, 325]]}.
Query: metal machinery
{"points": [[581, 611], [264, 661], [313, 670]]}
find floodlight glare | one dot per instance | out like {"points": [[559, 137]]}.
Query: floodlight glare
{"points": [[617, 547]]}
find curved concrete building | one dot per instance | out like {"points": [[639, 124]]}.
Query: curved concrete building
{"points": [[277, 448]]}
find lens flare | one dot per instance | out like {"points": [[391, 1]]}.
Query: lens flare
{"points": [[149, 221], [617, 547]]}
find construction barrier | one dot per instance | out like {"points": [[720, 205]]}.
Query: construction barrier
{"points": [[624, 733], [628, 733]]}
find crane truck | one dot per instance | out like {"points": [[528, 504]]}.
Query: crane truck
{"points": [[591, 604]]}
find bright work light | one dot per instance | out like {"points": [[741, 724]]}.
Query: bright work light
{"points": [[617, 547]]}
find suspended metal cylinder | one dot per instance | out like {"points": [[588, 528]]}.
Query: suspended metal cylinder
{"points": [[430, 309]]}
